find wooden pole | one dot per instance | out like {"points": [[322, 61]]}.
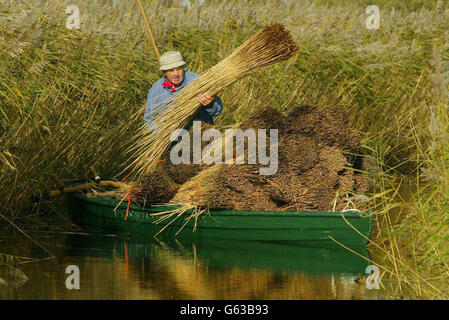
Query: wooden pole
{"points": [[94, 173], [149, 29], [86, 186]]}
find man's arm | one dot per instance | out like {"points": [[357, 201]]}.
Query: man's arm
{"points": [[214, 106], [151, 97], [154, 101]]}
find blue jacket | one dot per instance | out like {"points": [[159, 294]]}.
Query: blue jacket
{"points": [[159, 94]]}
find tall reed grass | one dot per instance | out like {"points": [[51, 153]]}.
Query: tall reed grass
{"points": [[67, 97]]}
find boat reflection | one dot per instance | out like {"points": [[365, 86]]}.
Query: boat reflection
{"points": [[311, 258], [171, 269]]}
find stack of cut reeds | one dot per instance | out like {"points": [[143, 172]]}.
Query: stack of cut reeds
{"points": [[316, 168]]}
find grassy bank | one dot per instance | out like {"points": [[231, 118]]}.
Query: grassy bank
{"points": [[74, 98]]}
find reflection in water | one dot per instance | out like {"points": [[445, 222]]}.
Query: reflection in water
{"points": [[228, 269], [112, 267]]}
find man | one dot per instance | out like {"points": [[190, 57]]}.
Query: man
{"points": [[175, 78]]}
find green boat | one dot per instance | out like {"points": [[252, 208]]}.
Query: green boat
{"points": [[348, 228]]}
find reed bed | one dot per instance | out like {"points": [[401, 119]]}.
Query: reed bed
{"points": [[70, 98]]}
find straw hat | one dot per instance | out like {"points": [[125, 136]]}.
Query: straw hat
{"points": [[170, 60]]}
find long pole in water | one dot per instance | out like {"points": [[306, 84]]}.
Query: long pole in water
{"points": [[149, 29]]}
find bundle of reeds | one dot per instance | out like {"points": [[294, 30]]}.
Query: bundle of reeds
{"points": [[222, 186], [270, 45]]}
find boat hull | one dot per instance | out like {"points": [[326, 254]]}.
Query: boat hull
{"points": [[348, 228]]}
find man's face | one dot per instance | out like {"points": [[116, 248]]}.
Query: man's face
{"points": [[175, 75]]}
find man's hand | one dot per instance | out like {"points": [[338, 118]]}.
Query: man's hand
{"points": [[205, 99]]}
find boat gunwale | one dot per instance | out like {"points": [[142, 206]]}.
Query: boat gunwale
{"points": [[110, 202]]}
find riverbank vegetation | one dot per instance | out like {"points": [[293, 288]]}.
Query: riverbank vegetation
{"points": [[70, 98]]}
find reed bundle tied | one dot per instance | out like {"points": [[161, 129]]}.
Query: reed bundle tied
{"points": [[270, 45]]}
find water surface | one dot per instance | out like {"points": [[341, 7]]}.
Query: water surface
{"points": [[117, 267]]}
